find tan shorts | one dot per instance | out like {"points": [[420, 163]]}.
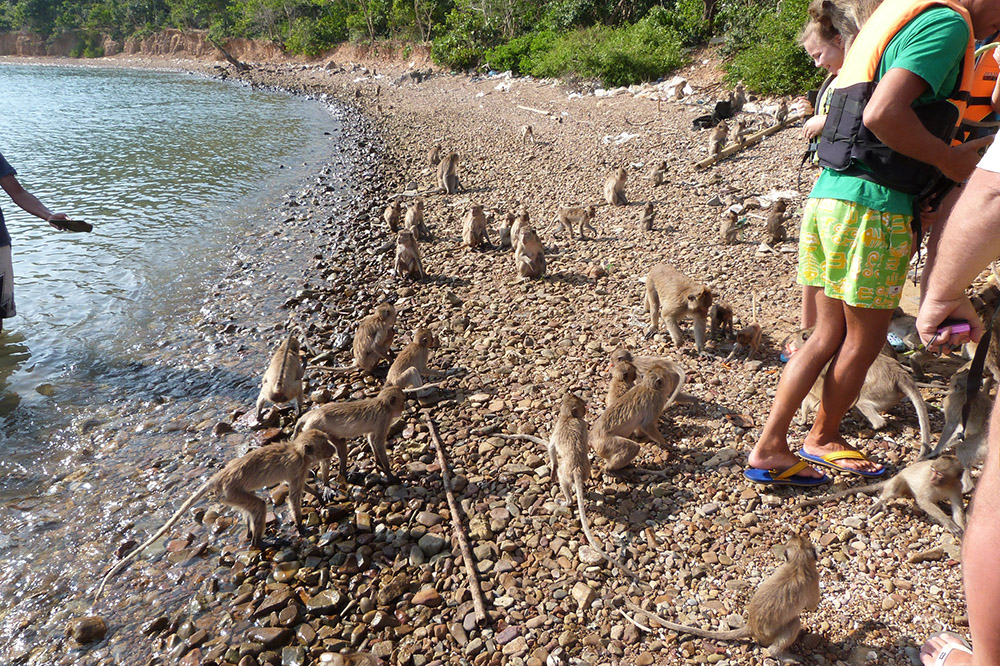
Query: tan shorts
{"points": [[7, 309]]}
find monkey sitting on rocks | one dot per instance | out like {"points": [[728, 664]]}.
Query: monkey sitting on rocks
{"points": [[448, 175], [474, 231], [647, 216], [717, 138], [410, 366], [529, 255], [372, 340], [614, 188], [729, 228], [391, 215], [414, 221], [407, 264], [774, 609]]}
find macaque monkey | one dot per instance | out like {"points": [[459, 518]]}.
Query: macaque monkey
{"points": [[391, 215], [638, 409], [885, 386], [659, 173], [643, 364], [414, 221], [614, 188], [506, 225], [235, 483], [647, 216], [411, 364], [372, 340], [283, 379], [623, 374], [434, 155], [739, 99], [776, 223], [527, 134], [717, 138], [570, 463], [679, 297], [342, 421], [474, 231], [729, 228], [748, 338], [720, 318], [529, 256], [904, 327], [407, 264], [566, 217], [782, 113], [448, 174], [926, 481], [970, 443], [774, 609], [520, 222], [739, 134]]}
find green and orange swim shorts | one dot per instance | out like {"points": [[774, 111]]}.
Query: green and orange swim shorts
{"points": [[854, 253]]}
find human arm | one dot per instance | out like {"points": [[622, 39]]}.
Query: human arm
{"points": [[27, 201], [995, 99], [969, 241], [890, 116]]}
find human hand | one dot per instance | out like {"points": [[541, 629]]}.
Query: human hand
{"points": [[934, 311], [961, 160], [813, 127], [56, 216], [801, 106]]}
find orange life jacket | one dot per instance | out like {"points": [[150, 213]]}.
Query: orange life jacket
{"points": [[980, 119], [846, 142]]}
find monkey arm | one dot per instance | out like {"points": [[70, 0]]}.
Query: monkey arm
{"points": [[937, 515]]}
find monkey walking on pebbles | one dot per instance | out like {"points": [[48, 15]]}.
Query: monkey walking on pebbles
{"points": [[234, 485], [566, 217], [570, 463], [638, 409], [283, 379], [675, 296], [343, 421], [748, 338], [614, 188], [774, 609], [926, 481]]}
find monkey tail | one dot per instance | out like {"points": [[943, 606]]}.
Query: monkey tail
{"points": [[910, 389], [681, 378], [861, 490], [578, 485], [735, 634], [122, 563], [284, 357], [526, 438]]}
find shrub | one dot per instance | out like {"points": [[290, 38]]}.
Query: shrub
{"points": [[519, 53], [464, 40]]}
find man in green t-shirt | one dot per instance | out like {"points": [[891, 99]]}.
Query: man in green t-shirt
{"points": [[855, 244]]}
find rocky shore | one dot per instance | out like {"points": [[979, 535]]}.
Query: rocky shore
{"points": [[379, 571]]}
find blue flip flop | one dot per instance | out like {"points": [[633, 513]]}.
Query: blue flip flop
{"points": [[830, 460], [786, 477]]}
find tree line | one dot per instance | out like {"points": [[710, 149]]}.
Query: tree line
{"points": [[619, 42]]}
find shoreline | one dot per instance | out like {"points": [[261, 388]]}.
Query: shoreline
{"points": [[703, 538]]}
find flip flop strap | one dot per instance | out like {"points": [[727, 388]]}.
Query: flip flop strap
{"points": [[849, 454], [777, 475], [946, 651]]}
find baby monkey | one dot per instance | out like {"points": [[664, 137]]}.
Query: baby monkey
{"points": [[717, 138], [623, 375], [739, 134], [527, 134], [391, 215], [729, 227], [774, 609], [506, 225], [659, 173], [776, 232], [283, 379], [926, 481], [234, 485], [566, 217], [748, 338], [647, 216], [614, 188], [720, 318]]}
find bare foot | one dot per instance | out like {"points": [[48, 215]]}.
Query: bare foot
{"points": [[812, 445], [780, 461], [959, 655]]}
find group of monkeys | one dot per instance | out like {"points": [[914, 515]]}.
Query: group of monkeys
{"points": [[640, 390]]}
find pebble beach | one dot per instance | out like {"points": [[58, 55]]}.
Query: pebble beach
{"points": [[379, 570]]}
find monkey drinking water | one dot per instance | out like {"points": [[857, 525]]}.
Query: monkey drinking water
{"points": [[283, 379]]}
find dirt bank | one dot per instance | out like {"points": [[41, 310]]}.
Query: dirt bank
{"points": [[377, 570]]}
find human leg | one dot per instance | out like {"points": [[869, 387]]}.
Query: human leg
{"points": [[809, 298], [865, 336], [771, 450]]}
